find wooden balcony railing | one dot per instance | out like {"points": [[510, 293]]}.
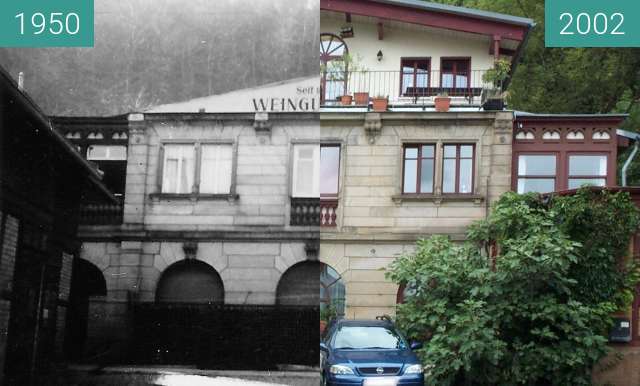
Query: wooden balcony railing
{"points": [[305, 211], [101, 214], [328, 210]]}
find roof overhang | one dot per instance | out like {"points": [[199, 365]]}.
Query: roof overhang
{"points": [[611, 119], [436, 15], [58, 141]]}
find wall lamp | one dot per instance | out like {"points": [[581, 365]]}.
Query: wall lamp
{"points": [[379, 55]]}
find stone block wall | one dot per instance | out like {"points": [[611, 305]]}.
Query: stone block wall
{"points": [[375, 221]]}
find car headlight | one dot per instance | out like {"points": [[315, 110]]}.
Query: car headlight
{"points": [[413, 369], [340, 370]]}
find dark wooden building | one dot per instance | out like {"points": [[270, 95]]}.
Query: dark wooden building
{"points": [[43, 179]]}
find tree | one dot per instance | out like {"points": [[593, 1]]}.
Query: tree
{"points": [[534, 311]]}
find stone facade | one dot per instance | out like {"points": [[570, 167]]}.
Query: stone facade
{"points": [[9, 232], [245, 236], [375, 222]]}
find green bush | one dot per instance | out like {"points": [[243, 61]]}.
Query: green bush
{"points": [[536, 313]]}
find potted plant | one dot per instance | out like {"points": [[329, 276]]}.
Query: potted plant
{"points": [[346, 100], [492, 93], [357, 78], [326, 314], [380, 103], [442, 102]]}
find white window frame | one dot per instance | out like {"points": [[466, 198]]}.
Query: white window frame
{"points": [[108, 156], [314, 190]]}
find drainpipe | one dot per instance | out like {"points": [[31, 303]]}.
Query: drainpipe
{"points": [[627, 163]]}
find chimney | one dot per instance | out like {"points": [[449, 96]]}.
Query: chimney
{"points": [[21, 81]]}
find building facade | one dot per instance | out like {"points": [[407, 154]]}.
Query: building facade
{"points": [[392, 177], [219, 214], [42, 181]]}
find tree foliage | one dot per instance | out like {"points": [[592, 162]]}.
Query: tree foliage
{"points": [[537, 311]]}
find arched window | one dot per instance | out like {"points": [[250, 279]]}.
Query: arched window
{"points": [[190, 281], [333, 75], [332, 291], [298, 286]]}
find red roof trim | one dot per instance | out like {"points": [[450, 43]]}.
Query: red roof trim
{"points": [[426, 18]]}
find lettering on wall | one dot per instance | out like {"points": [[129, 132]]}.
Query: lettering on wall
{"points": [[306, 99]]}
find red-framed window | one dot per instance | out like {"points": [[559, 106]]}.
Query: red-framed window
{"points": [[415, 76], [458, 168], [455, 74], [537, 172], [329, 170], [418, 168], [587, 169], [333, 79]]}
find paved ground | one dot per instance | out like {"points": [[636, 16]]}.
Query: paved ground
{"points": [[135, 376]]}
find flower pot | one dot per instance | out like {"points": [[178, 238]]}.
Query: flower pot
{"points": [[346, 100], [380, 104], [442, 104], [361, 98], [323, 326]]}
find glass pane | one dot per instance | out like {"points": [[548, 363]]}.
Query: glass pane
{"points": [[333, 89], [411, 152], [447, 65], [422, 80], [462, 66], [588, 165], [410, 176], [329, 169], [540, 185], [407, 83], [575, 183], [537, 165], [407, 69], [96, 152], [466, 151], [215, 169], [423, 65], [466, 176], [449, 176], [450, 151], [461, 81], [426, 178], [447, 80], [427, 151]]}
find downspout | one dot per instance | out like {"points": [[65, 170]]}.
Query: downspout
{"points": [[627, 163]]}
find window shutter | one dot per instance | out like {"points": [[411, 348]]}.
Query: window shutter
{"points": [[178, 168], [306, 171]]}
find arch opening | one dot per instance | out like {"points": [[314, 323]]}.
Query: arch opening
{"points": [[190, 281]]}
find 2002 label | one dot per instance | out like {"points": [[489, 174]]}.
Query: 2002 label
{"points": [[599, 23]]}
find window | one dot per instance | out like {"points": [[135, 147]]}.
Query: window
{"points": [[415, 76], [107, 153], [329, 170], [536, 173], [455, 74], [587, 169], [181, 163], [178, 169], [419, 166], [457, 169], [215, 169], [334, 77], [306, 171]]}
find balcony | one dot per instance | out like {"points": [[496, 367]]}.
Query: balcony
{"points": [[305, 211], [415, 89], [328, 208], [101, 214]]}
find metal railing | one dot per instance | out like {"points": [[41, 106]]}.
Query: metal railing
{"points": [[101, 214], [402, 88]]}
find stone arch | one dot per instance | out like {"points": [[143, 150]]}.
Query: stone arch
{"points": [[190, 281], [87, 282], [299, 285]]}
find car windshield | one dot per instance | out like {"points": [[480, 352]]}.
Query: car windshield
{"points": [[367, 337]]}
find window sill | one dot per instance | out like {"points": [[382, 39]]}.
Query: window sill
{"points": [[438, 198], [193, 196]]}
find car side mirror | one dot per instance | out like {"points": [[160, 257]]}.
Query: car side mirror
{"points": [[416, 345], [323, 347]]}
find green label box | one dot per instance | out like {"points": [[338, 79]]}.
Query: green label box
{"points": [[592, 23], [46, 23]]}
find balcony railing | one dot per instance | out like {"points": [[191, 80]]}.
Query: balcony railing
{"points": [[305, 211], [328, 210], [101, 214], [407, 88]]}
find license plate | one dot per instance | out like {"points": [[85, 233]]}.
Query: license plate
{"points": [[390, 381]]}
